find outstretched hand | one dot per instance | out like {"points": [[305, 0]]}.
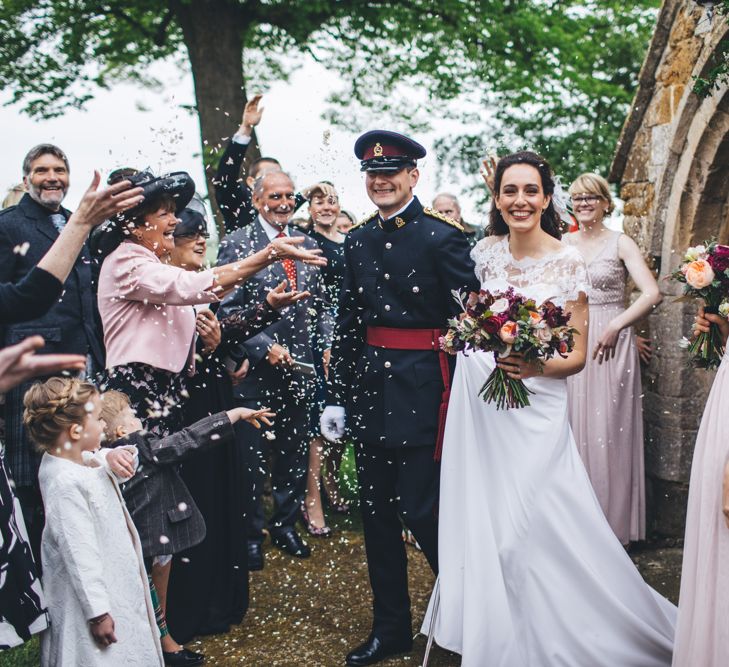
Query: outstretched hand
{"points": [[253, 417], [19, 363], [99, 205], [286, 247], [279, 298]]}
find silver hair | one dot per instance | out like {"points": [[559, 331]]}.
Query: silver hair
{"points": [[448, 195], [43, 149], [258, 183]]}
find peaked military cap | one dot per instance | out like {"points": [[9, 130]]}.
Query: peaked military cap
{"points": [[382, 150]]}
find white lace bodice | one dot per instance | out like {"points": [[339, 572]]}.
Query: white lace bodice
{"points": [[559, 276]]}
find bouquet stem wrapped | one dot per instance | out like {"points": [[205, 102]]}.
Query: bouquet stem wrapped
{"points": [[506, 392], [508, 323]]}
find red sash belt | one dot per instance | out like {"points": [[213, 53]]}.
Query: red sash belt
{"points": [[418, 339]]}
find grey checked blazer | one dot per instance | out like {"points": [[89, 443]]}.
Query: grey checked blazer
{"points": [[163, 511]]}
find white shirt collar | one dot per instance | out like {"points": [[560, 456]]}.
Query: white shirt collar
{"points": [[400, 211], [271, 231]]}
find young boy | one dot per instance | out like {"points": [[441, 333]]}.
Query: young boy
{"points": [[163, 511]]}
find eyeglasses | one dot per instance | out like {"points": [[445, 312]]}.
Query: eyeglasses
{"points": [[193, 237], [586, 199]]}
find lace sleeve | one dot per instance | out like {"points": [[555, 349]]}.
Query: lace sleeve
{"points": [[573, 276], [489, 258]]}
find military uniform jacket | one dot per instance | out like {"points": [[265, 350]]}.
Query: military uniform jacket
{"points": [[400, 273]]}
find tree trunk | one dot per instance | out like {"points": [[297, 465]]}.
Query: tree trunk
{"points": [[212, 31]]}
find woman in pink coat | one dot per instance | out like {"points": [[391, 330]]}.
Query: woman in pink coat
{"points": [[148, 317]]}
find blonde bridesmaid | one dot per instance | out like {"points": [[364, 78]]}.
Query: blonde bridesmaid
{"points": [[605, 405]]}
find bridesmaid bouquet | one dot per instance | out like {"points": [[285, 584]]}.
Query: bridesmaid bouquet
{"points": [[503, 323], [705, 275]]}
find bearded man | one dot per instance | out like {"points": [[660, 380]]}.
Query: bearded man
{"points": [[27, 231]]}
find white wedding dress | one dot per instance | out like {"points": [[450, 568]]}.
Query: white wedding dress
{"points": [[531, 574]]}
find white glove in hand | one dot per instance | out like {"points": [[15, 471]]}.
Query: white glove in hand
{"points": [[332, 422]]}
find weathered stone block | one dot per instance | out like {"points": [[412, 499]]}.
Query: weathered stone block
{"points": [[666, 502], [679, 62], [636, 167], [668, 452]]}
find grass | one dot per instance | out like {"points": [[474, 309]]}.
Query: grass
{"points": [[27, 655]]}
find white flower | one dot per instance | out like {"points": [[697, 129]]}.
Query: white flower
{"points": [[684, 343], [724, 308], [696, 252], [499, 306]]}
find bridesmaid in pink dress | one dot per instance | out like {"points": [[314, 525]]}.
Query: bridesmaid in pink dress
{"points": [[702, 633], [605, 407]]}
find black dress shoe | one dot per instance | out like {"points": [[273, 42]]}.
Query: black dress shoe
{"points": [[290, 542], [373, 651], [255, 556], [183, 657]]}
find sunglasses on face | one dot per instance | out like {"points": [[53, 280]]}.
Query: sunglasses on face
{"points": [[193, 237]]}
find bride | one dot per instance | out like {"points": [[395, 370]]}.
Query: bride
{"points": [[531, 575]]}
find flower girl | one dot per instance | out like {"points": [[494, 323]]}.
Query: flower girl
{"points": [[93, 574]]}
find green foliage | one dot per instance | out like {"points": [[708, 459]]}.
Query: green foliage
{"points": [[553, 75], [718, 74]]}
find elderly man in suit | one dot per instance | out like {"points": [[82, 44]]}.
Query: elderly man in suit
{"points": [[27, 231], [272, 363]]}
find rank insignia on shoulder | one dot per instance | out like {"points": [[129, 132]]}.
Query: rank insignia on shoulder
{"points": [[364, 220], [443, 218]]}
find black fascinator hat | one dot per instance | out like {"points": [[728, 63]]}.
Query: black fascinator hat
{"points": [[177, 186]]}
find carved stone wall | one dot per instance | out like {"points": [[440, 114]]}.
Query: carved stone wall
{"points": [[672, 165]]}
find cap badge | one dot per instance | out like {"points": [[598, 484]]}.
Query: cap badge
{"points": [[377, 150]]}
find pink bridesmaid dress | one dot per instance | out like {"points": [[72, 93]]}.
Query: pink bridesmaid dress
{"points": [[702, 633], [605, 406]]}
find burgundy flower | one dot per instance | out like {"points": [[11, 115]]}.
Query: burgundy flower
{"points": [[492, 325], [719, 260]]}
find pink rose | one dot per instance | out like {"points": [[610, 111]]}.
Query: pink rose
{"points": [[544, 334], [499, 306], [699, 274], [508, 332]]}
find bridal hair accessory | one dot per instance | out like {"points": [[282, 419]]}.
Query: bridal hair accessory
{"points": [[563, 204], [506, 323], [704, 272]]}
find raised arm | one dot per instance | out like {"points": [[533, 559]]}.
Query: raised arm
{"points": [[231, 193], [95, 207]]}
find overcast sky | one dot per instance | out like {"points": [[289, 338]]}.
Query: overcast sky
{"points": [[129, 125]]}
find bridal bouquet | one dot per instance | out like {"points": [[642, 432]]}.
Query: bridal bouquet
{"points": [[705, 275], [503, 323]]}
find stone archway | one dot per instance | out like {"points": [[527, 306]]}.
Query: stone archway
{"points": [[673, 167]]}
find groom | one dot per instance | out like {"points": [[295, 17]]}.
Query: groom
{"points": [[388, 378]]}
